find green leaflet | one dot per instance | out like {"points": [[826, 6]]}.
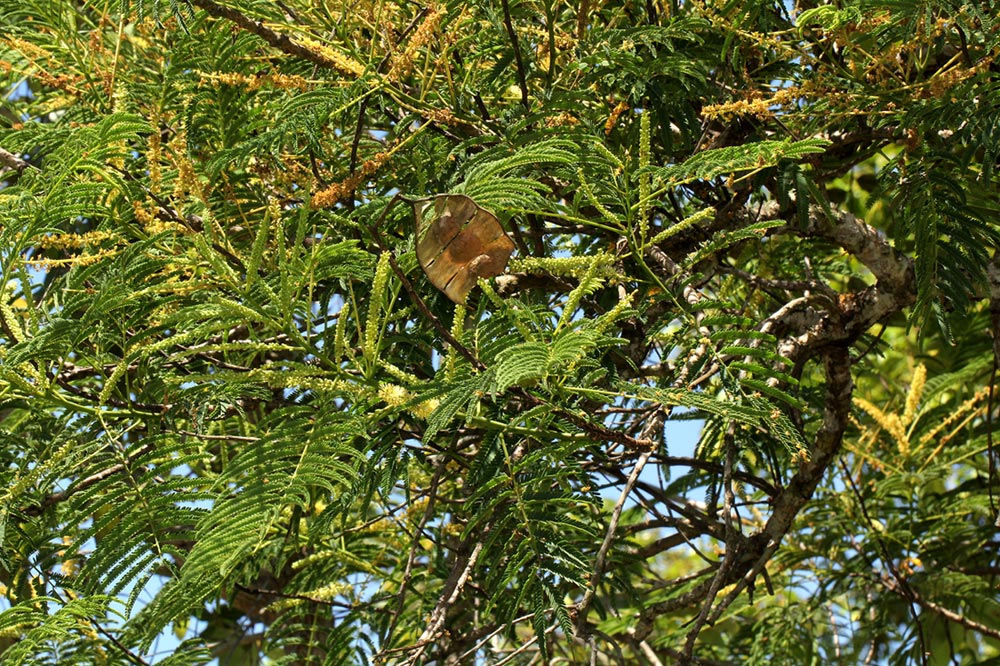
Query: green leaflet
{"points": [[757, 412]]}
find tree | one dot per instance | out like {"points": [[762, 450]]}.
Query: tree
{"points": [[235, 404]]}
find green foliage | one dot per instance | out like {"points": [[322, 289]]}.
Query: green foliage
{"points": [[487, 181], [52, 631], [731, 160], [237, 422]]}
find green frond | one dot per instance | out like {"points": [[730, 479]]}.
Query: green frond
{"points": [[828, 17], [722, 240], [256, 494], [334, 261], [526, 361], [566, 266], [377, 301], [683, 225], [155, 9], [756, 412], [486, 180], [770, 390], [770, 372], [933, 208], [717, 162], [531, 361], [760, 352], [590, 282], [455, 396], [45, 625]]}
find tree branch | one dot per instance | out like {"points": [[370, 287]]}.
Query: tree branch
{"points": [[460, 571], [9, 159], [63, 495], [602, 552], [837, 407], [911, 594], [278, 40]]}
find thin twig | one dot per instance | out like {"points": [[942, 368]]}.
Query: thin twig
{"points": [[716, 584], [460, 572], [224, 438], [526, 645], [363, 106], [131, 656], [412, 557], [602, 553], [83, 484], [734, 539], [943, 612], [647, 652], [488, 637], [522, 79], [257, 592]]}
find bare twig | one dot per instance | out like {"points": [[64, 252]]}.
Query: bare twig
{"points": [[412, 557], [903, 587], [460, 572], [224, 438], [488, 637], [363, 106], [734, 541], [647, 652], [521, 78], [913, 595], [131, 656], [616, 513], [524, 646]]}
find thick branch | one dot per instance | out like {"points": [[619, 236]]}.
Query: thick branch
{"points": [[276, 39], [746, 557], [818, 321], [513, 283], [837, 407], [893, 269]]}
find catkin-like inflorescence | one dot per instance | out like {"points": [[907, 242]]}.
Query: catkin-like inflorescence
{"points": [[374, 320]]}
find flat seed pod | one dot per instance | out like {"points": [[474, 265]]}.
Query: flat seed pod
{"points": [[458, 242]]}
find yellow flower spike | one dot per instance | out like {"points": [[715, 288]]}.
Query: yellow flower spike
{"points": [[914, 395]]}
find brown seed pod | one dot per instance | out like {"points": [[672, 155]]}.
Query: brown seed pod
{"points": [[458, 242]]}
